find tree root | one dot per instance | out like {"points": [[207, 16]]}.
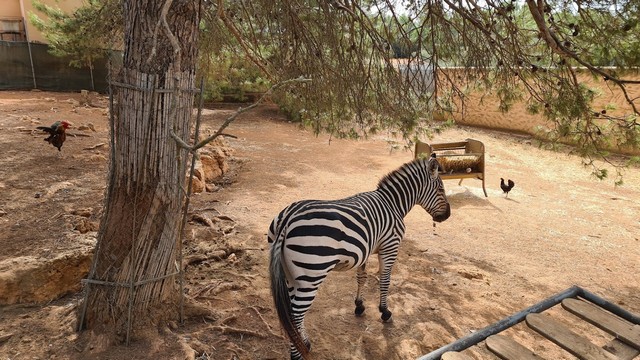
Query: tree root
{"points": [[265, 322], [247, 277], [233, 330], [217, 288]]}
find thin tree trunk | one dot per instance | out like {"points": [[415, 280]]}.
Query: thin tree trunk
{"points": [[132, 280]]}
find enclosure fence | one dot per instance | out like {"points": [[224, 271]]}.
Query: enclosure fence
{"points": [[25, 66]]}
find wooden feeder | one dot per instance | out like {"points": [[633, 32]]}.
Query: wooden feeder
{"points": [[459, 160]]}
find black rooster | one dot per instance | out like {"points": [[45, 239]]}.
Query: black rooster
{"points": [[57, 133], [506, 187]]}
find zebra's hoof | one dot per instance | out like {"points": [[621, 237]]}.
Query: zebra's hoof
{"points": [[359, 307], [386, 315]]}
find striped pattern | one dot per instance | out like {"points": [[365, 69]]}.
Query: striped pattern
{"points": [[310, 238]]}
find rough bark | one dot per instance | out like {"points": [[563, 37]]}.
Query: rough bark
{"points": [[132, 279]]}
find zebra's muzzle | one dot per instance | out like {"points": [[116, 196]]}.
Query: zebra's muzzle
{"points": [[442, 216]]}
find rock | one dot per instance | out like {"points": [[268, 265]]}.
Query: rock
{"points": [[4, 338], [29, 279], [84, 94], [86, 127], [73, 102], [210, 168], [214, 163], [83, 212], [97, 158], [209, 187], [197, 185], [471, 274], [84, 226], [198, 171]]}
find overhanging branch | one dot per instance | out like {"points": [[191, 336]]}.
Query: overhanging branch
{"points": [[231, 118]]}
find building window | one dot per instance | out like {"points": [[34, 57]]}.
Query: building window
{"points": [[12, 29]]}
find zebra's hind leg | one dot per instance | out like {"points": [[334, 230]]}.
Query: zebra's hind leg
{"points": [[386, 263], [361, 277]]}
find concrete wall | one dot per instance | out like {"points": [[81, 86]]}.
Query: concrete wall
{"points": [[482, 109]]}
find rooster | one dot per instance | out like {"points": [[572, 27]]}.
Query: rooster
{"points": [[506, 187], [57, 133]]}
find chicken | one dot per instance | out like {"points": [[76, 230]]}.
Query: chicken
{"points": [[57, 133], [506, 187]]}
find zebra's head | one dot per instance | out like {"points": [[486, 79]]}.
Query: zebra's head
{"points": [[433, 198]]}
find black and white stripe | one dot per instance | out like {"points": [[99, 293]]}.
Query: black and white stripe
{"points": [[310, 238]]}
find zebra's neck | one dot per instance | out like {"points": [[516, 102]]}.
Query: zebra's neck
{"points": [[401, 186]]}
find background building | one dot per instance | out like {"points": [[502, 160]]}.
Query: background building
{"points": [[25, 62]]}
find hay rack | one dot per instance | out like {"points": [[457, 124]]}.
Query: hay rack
{"points": [[459, 160]]}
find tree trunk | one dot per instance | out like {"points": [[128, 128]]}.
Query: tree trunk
{"points": [[132, 282]]}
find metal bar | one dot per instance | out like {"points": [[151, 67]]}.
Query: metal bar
{"points": [[26, 33], [609, 306], [156, 90], [187, 200], [100, 282], [136, 284], [481, 335]]}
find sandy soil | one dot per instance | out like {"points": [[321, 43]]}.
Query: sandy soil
{"points": [[493, 257]]}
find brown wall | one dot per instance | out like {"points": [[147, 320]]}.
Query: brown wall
{"points": [[482, 110], [12, 8]]}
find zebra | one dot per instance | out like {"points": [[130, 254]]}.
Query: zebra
{"points": [[309, 238]]}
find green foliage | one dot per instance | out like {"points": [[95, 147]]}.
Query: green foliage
{"points": [[349, 50], [508, 95], [230, 78], [84, 35]]}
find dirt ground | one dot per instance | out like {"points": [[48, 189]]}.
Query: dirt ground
{"points": [[494, 255]]}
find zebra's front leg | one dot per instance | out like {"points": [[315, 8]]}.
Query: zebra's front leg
{"points": [[361, 278], [386, 263]]}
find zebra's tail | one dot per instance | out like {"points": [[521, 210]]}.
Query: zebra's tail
{"points": [[281, 299]]}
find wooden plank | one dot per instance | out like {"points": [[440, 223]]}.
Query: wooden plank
{"points": [[567, 339], [449, 145], [620, 328], [422, 148], [458, 155], [445, 176], [509, 349], [621, 350], [452, 355]]}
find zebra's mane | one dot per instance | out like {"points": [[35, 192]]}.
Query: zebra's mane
{"points": [[401, 171]]}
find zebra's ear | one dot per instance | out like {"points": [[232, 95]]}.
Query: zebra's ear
{"points": [[434, 166]]}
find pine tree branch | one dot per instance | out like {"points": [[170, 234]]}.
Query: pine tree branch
{"points": [[233, 116]]}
